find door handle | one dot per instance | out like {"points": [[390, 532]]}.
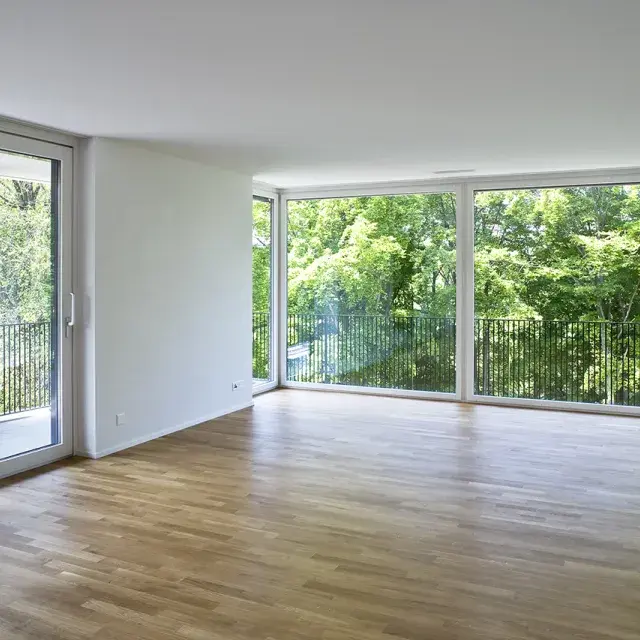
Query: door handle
{"points": [[70, 320]]}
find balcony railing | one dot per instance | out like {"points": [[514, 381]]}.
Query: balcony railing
{"points": [[25, 374], [593, 362], [596, 362], [261, 346], [373, 351]]}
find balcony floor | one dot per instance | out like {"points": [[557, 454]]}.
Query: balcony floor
{"points": [[327, 516], [23, 432]]}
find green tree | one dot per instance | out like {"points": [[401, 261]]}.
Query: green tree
{"points": [[374, 255], [261, 263], [261, 256], [26, 288], [25, 251], [363, 275]]}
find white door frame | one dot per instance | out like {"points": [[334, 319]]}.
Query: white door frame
{"points": [[64, 154]]}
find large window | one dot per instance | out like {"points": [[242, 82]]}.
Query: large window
{"points": [[547, 278], [557, 294], [372, 292], [262, 291]]}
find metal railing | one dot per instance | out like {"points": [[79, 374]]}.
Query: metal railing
{"points": [[595, 362], [261, 345], [389, 352], [25, 374]]}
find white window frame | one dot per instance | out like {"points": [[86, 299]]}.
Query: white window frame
{"points": [[266, 191], [54, 145], [370, 190], [464, 189], [531, 181]]}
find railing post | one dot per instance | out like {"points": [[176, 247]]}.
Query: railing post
{"points": [[485, 357], [325, 347], [603, 355]]}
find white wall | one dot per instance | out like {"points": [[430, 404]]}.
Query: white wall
{"points": [[172, 293], [84, 286]]}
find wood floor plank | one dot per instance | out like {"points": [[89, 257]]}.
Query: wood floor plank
{"points": [[319, 516]]}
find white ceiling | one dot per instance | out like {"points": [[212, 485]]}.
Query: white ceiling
{"points": [[335, 91]]}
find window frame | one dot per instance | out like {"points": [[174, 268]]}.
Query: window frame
{"points": [[265, 193], [321, 194], [465, 189], [545, 181]]}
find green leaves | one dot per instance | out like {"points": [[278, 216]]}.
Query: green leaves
{"points": [[26, 283], [373, 255], [563, 254], [261, 256]]}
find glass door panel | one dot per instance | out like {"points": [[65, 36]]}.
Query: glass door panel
{"points": [[35, 424], [262, 256]]}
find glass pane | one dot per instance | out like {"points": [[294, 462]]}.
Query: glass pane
{"points": [[262, 317], [28, 233], [557, 284], [372, 291]]}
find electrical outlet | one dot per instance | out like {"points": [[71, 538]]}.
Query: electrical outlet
{"points": [[120, 419], [238, 384]]}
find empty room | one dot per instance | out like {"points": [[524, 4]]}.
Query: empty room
{"points": [[320, 320]]}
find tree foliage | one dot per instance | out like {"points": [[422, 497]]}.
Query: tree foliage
{"points": [[376, 255], [26, 288], [261, 254], [557, 254], [25, 251]]}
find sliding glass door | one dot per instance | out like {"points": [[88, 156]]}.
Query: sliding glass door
{"points": [[263, 290], [557, 294], [36, 312], [372, 292]]}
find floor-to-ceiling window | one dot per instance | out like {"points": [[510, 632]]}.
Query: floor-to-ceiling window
{"points": [[557, 294], [372, 292], [262, 257]]}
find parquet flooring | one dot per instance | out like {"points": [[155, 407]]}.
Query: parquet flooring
{"points": [[319, 516]]}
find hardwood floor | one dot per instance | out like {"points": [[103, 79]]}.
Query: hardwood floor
{"points": [[335, 517]]}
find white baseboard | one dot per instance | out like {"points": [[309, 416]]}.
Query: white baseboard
{"points": [[158, 434]]}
